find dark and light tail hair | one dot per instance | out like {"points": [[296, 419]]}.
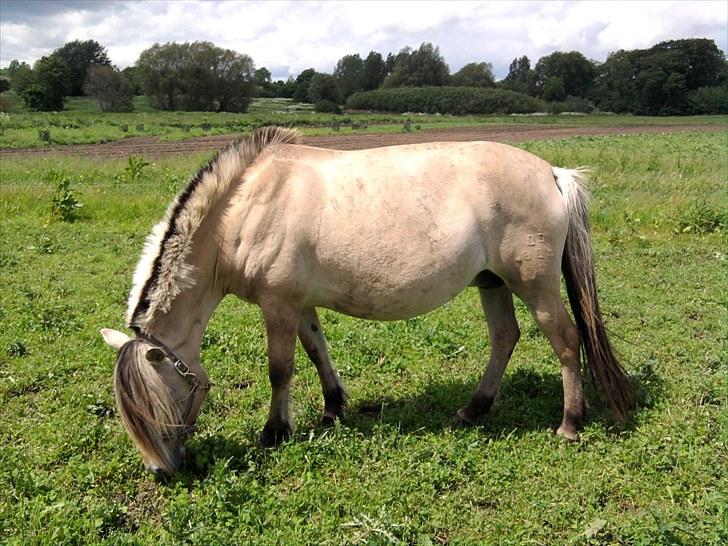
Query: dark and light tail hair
{"points": [[577, 265]]}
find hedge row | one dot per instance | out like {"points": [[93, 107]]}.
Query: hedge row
{"points": [[446, 100]]}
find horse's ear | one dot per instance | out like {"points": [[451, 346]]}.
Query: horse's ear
{"points": [[114, 338], [155, 355]]}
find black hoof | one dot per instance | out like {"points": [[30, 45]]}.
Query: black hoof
{"points": [[273, 436], [476, 411]]}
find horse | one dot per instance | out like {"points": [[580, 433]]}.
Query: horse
{"points": [[381, 234]]}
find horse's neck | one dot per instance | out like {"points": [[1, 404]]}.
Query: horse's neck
{"points": [[183, 326]]}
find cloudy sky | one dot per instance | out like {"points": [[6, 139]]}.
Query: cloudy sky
{"points": [[288, 37]]}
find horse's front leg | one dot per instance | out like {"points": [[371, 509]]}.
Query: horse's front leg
{"points": [[314, 342], [281, 324]]}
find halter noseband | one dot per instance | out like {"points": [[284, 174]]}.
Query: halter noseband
{"points": [[189, 376]]}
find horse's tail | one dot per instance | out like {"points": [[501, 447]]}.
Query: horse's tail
{"points": [[578, 268]]}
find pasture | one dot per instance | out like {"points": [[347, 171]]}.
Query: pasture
{"points": [[401, 469]]}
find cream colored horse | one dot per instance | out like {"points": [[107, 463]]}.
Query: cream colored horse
{"points": [[383, 234]]}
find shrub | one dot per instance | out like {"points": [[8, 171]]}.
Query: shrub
{"points": [[9, 102], [709, 100], [446, 100], [571, 104], [327, 107]]}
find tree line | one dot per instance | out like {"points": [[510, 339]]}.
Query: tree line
{"points": [[670, 78]]}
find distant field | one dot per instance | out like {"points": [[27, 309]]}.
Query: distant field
{"points": [[401, 470], [82, 123]]}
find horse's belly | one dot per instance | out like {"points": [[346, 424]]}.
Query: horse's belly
{"points": [[398, 292]]}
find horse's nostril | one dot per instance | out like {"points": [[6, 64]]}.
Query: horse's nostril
{"points": [[153, 468]]}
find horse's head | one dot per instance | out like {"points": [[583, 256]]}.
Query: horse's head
{"points": [[158, 397]]}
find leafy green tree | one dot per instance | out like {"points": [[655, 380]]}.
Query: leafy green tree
{"points": [[417, 68], [196, 76], [110, 87], [349, 75], [262, 79], [324, 87], [520, 77], [20, 74], [4, 85], [575, 71], [660, 80], [474, 75], [284, 89], [373, 72], [79, 56], [303, 82], [131, 73], [553, 89], [50, 85]]}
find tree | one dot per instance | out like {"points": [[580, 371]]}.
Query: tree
{"points": [[576, 73], [553, 89], [660, 80], [373, 72], [262, 79], [303, 82], [418, 68], [284, 89], [110, 87], [50, 84], [196, 76], [474, 75], [20, 74], [520, 77], [79, 56], [131, 73], [349, 75], [323, 88]]}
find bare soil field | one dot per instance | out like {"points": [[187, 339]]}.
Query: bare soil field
{"points": [[153, 147]]}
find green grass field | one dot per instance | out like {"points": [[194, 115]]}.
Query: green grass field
{"points": [[401, 470], [82, 122]]}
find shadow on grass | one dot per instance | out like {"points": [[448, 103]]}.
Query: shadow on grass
{"points": [[529, 401]]}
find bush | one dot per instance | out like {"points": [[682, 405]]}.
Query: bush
{"points": [[10, 102], [446, 100], [327, 107], [571, 104], [709, 100]]}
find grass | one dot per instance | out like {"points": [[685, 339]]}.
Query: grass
{"points": [[82, 122], [401, 470]]}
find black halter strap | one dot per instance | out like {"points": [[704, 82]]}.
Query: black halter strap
{"points": [[184, 370]]}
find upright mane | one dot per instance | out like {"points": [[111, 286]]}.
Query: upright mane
{"points": [[163, 272]]}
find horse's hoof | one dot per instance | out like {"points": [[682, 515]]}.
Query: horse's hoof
{"points": [[329, 418], [466, 416], [569, 433], [273, 436]]}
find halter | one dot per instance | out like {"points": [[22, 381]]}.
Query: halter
{"points": [[189, 376]]}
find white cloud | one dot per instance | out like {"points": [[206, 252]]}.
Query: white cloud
{"points": [[288, 37]]}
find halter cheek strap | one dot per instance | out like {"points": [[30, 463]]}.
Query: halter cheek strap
{"points": [[188, 375]]}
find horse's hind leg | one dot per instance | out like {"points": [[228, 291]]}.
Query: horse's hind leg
{"points": [[314, 342], [281, 324], [544, 301], [503, 334]]}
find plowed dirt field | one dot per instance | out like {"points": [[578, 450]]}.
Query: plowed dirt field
{"points": [[153, 147]]}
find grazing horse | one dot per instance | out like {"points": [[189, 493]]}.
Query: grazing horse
{"points": [[381, 234]]}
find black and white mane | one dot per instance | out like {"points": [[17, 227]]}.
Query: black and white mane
{"points": [[163, 272]]}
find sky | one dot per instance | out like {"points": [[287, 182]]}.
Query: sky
{"points": [[288, 37]]}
